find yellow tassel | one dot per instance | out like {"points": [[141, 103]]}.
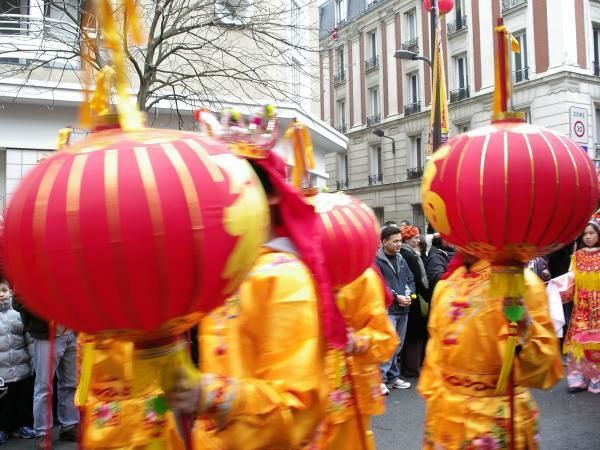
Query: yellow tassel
{"points": [[303, 151], [507, 360], [63, 138], [85, 377]]}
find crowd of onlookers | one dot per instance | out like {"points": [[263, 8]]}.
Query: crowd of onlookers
{"points": [[28, 376], [412, 263]]}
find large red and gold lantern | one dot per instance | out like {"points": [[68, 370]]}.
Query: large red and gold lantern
{"points": [[128, 233], [349, 234], [509, 192], [445, 6]]}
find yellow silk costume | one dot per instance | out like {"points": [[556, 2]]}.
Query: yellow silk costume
{"points": [[262, 359], [124, 408], [468, 334], [355, 380]]}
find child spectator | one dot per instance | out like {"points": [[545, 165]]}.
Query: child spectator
{"points": [[16, 349]]}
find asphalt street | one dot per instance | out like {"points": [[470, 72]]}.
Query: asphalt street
{"points": [[568, 422]]}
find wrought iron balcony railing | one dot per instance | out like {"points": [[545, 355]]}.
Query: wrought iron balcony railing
{"points": [[458, 25], [507, 5], [373, 120], [375, 179], [412, 108], [339, 77], [341, 128], [372, 63], [414, 173], [341, 184], [373, 3], [459, 94], [411, 45], [522, 74]]}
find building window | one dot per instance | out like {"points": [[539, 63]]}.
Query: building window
{"points": [[296, 85], [376, 164], [418, 159], [375, 117], [342, 164], [296, 23], [341, 116], [461, 83], [412, 94], [520, 59], [597, 50], [419, 217], [411, 41], [13, 25], [340, 11], [340, 75], [372, 56], [460, 19]]}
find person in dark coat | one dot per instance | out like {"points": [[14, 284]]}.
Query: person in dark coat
{"points": [[437, 261], [400, 283], [416, 332]]}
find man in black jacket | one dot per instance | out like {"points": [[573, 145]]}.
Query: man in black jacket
{"points": [[399, 280], [437, 260]]}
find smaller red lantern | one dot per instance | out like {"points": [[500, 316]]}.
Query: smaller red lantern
{"points": [[445, 6], [349, 232]]}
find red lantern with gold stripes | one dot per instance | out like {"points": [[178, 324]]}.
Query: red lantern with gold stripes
{"points": [[509, 192], [349, 234], [129, 232]]}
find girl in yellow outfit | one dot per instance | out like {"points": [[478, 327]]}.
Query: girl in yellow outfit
{"points": [[468, 333], [354, 381], [124, 408]]}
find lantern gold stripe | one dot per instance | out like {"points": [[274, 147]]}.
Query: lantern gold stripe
{"points": [[556, 189], [457, 186], [74, 230], [349, 213], [213, 169], [481, 178], [344, 225], [532, 189], [111, 191], [39, 229], [193, 206], [156, 217]]}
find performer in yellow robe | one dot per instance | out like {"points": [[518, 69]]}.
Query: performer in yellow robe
{"points": [[124, 408], [354, 380], [264, 355], [468, 334]]}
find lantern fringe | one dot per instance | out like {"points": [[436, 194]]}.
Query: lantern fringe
{"points": [[507, 282], [85, 377], [590, 281], [508, 359], [577, 349]]}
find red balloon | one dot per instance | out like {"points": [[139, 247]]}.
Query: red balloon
{"points": [[349, 234], [445, 6], [127, 232], [509, 192]]}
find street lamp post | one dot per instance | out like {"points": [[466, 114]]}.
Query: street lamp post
{"points": [[380, 133], [412, 56]]}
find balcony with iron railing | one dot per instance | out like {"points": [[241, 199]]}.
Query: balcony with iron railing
{"points": [[373, 120], [342, 128], [411, 45], [373, 3], [414, 173], [522, 75], [372, 63], [341, 184], [339, 77], [460, 24], [412, 108], [375, 179], [508, 5], [459, 94], [597, 68], [25, 37]]}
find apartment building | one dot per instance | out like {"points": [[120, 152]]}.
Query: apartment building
{"points": [[34, 106], [364, 89]]}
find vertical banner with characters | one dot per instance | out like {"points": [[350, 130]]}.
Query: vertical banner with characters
{"points": [[438, 77]]}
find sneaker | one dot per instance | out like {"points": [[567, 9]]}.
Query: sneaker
{"points": [[68, 434], [384, 389], [24, 433], [399, 384], [3, 437]]}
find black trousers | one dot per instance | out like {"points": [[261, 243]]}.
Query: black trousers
{"points": [[16, 407]]}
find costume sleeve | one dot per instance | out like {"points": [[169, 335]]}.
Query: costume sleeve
{"points": [[430, 379], [364, 302], [538, 363], [283, 398]]}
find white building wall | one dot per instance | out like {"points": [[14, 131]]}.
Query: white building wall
{"points": [[394, 108], [356, 62]]}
